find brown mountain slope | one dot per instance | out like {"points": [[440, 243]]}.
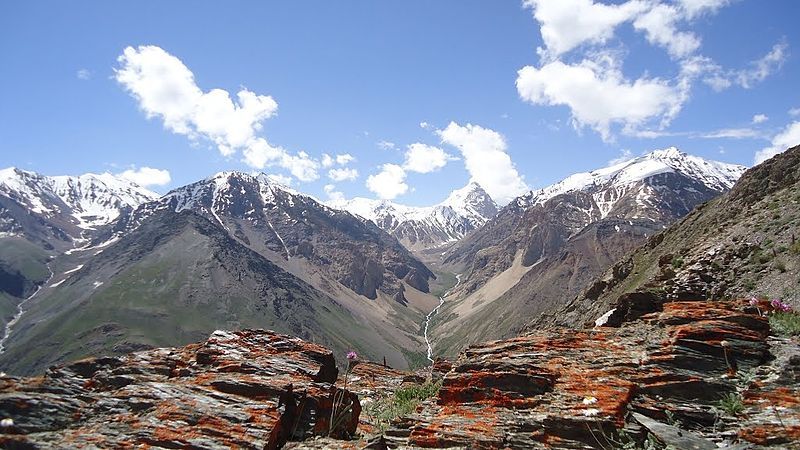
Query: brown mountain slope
{"points": [[744, 243]]}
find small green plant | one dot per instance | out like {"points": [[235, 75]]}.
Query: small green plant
{"points": [[732, 404], [785, 323], [780, 265], [677, 262], [404, 401], [672, 420]]}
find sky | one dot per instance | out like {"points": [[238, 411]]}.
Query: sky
{"points": [[400, 100]]}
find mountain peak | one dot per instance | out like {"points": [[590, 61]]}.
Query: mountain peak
{"points": [[715, 175], [86, 201], [472, 201], [667, 153]]}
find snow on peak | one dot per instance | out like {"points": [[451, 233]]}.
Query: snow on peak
{"points": [[713, 174], [463, 210], [472, 202], [92, 199]]}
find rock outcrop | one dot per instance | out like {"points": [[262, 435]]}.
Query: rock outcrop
{"points": [[659, 377], [248, 389], [578, 389]]}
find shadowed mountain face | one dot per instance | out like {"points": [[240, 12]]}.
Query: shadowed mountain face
{"points": [[744, 243], [286, 225], [548, 245], [41, 217], [173, 279], [230, 251]]}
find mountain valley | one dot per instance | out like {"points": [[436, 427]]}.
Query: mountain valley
{"points": [[617, 296], [238, 250]]}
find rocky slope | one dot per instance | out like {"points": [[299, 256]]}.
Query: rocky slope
{"points": [[661, 375], [463, 211], [227, 392], [550, 244], [744, 243], [657, 379]]}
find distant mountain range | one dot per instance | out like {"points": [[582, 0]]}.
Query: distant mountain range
{"points": [[420, 228], [100, 265], [229, 251], [546, 246], [63, 210]]}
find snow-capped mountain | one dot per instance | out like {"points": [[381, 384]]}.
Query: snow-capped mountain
{"points": [[417, 228], [292, 228], [67, 207], [714, 175], [544, 247]]}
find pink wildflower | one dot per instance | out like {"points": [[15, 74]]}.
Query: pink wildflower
{"points": [[352, 356]]}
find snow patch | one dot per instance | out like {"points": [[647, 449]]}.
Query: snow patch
{"points": [[602, 320]]}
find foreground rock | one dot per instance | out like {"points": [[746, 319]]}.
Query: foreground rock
{"points": [[657, 376], [576, 389], [229, 391]]}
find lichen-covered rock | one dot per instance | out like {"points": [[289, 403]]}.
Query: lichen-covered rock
{"points": [[246, 389], [574, 388]]}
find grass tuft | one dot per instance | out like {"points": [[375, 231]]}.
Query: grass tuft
{"points": [[403, 402], [785, 323], [732, 404]]}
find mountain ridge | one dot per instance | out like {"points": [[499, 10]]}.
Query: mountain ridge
{"points": [[547, 245], [421, 228]]}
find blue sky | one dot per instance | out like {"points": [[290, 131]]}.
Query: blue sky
{"points": [[422, 96]]}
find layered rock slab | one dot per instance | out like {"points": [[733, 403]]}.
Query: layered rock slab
{"points": [[577, 388], [229, 391]]}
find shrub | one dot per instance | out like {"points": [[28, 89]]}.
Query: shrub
{"points": [[677, 262]]}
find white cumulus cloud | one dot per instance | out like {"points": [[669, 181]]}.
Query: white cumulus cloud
{"points": [[660, 27], [789, 137], [581, 64], [760, 118], [599, 95], [147, 176], [389, 183], [165, 88], [422, 158], [341, 159], [344, 159], [486, 160], [343, 174], [694, 8], [566, 24]]}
